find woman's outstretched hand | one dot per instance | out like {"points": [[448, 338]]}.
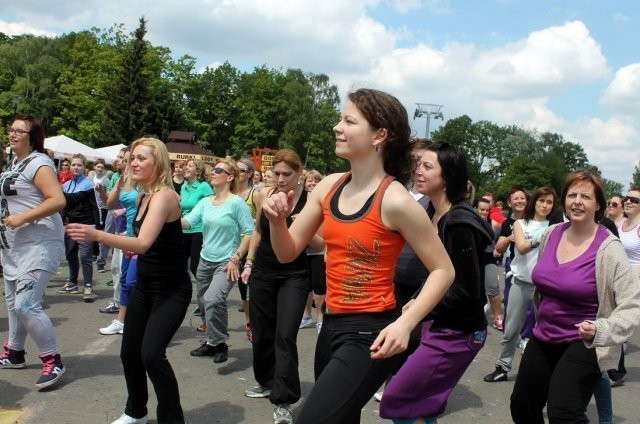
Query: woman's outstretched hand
{"points": [[278, 206]]}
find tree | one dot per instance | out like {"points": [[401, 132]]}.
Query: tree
{"points": [[635, 178], [611, 188], [127, 110]]}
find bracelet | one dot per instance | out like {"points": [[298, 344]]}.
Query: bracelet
{"points": [[250, 258], [248, 266], [238, 254], [234, 261]]}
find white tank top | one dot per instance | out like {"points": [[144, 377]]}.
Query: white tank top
{"points": [[631, 242]]}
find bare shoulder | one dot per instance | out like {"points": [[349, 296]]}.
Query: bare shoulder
{"points": [[325, 185], [399, 207]]}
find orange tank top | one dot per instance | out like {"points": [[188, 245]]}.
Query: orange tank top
{"points": [[361, 255]]}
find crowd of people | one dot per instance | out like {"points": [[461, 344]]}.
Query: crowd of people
{"points": [[397, 255]]}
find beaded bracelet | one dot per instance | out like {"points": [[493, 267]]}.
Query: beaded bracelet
{"points": [[234, 260]]}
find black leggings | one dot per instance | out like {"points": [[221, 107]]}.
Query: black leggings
{"points": [[346, 376], [192, 248], [153, 317]]}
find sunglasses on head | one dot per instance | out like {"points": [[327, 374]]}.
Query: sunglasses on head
{"points": [[219, 170], [632, 199]]}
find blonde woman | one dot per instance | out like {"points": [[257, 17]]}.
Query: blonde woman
{"points": [[163, 290]]}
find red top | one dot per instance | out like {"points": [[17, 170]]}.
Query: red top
{"points": [[361, 255], [495, 214], [63, 177]]}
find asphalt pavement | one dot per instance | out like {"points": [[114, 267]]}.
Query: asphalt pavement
{"points": [[93, 388]]}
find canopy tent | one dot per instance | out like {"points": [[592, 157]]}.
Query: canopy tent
{"points": [[110, 153], [64, 147]]}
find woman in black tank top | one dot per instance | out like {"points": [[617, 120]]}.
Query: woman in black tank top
{"points": [[162, 294]]}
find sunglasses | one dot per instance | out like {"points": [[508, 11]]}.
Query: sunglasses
{"points": [[218, 170], [614, 204], [634, 200], [246, 171]]}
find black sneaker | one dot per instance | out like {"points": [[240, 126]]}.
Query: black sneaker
{"points": [[498, 375], [205, 349], [52, 370], [111, 308], [222, 353], [69, 288], [12, 358]]}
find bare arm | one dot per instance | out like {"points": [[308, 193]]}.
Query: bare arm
{"points": [[163, 207], [114, 195], [410, 219], [522, 244], [46, 181], [254, 239]]}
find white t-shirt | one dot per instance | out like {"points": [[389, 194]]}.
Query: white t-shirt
{"points": [[37, 245], [630, 240], [522, 265]]}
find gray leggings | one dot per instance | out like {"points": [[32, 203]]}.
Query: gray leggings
{"points": [[24, 305], [520, 296], [491, 284]]}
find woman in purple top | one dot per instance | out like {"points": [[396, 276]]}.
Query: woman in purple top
{"points": [[588, 304]]}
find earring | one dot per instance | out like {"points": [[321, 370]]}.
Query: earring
{"points": [[377, 149]]}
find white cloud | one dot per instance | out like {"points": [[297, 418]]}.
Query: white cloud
{"points": [[18, 28], [623, 93], [621, 17]]}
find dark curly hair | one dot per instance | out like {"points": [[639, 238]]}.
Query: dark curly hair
{"points": [[382, 110]]}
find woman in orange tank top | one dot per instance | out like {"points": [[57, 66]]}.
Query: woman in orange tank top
{"points": [[367, 215]]}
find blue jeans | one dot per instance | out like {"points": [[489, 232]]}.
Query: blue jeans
{"points": [[602, 396], [213, 290], [85, 250]]}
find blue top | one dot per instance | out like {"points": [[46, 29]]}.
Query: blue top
{"points": [[190, 195], [222, 226], [128, 201]]}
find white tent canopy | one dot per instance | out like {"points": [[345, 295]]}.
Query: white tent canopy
{"points": [[110, 153], [64, 147]]}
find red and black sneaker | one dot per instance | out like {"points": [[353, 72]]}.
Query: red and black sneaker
{"points": [[52, 370], [12, 358]]}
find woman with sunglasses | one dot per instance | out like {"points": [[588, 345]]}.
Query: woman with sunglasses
{"points": [[615, 209], [629, 229], [366, 215], [194, 188], [226, 229], [64, 174], [31, 246]]}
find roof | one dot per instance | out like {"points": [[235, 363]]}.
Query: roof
{"points": [[188, 148], [183, 136]]}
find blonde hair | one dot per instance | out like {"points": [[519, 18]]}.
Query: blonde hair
{"points": [[162, 176], [235, 173], [200, 169]]}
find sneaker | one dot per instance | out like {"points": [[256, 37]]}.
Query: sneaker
{"points": [[12, 358], [247, 330], [101, 269], [116, 327], [498, 324], [222, 353], [111, 308], [258, 392], [498, 375], [110, 283], [125, 419], [319, 326], [202, 328], [282, 414], [196, 311], [205, 349], [618, 382], [52, 370], [87, 294], [307, 322], [69, 288], [378, 396]]}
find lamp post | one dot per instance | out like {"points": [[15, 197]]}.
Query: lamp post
{"points": [[428, 110]]}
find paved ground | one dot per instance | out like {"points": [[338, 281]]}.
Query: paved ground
{"points": [[93, 389]]}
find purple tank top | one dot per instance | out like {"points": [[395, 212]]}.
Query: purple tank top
{"points": [[569, 292]]}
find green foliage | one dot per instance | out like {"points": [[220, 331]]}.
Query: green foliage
{"points": [[612, 188], [635, 178]]}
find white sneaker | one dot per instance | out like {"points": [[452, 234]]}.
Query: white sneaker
{"points": [[116, 327], [378, 396], [307, 322], [125, 419], [282, 414]]}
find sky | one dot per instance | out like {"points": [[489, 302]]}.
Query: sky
{"points": [[570, 67]]}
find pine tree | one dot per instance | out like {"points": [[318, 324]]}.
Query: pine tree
{"points": [[127, 109], [635, 179]]}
